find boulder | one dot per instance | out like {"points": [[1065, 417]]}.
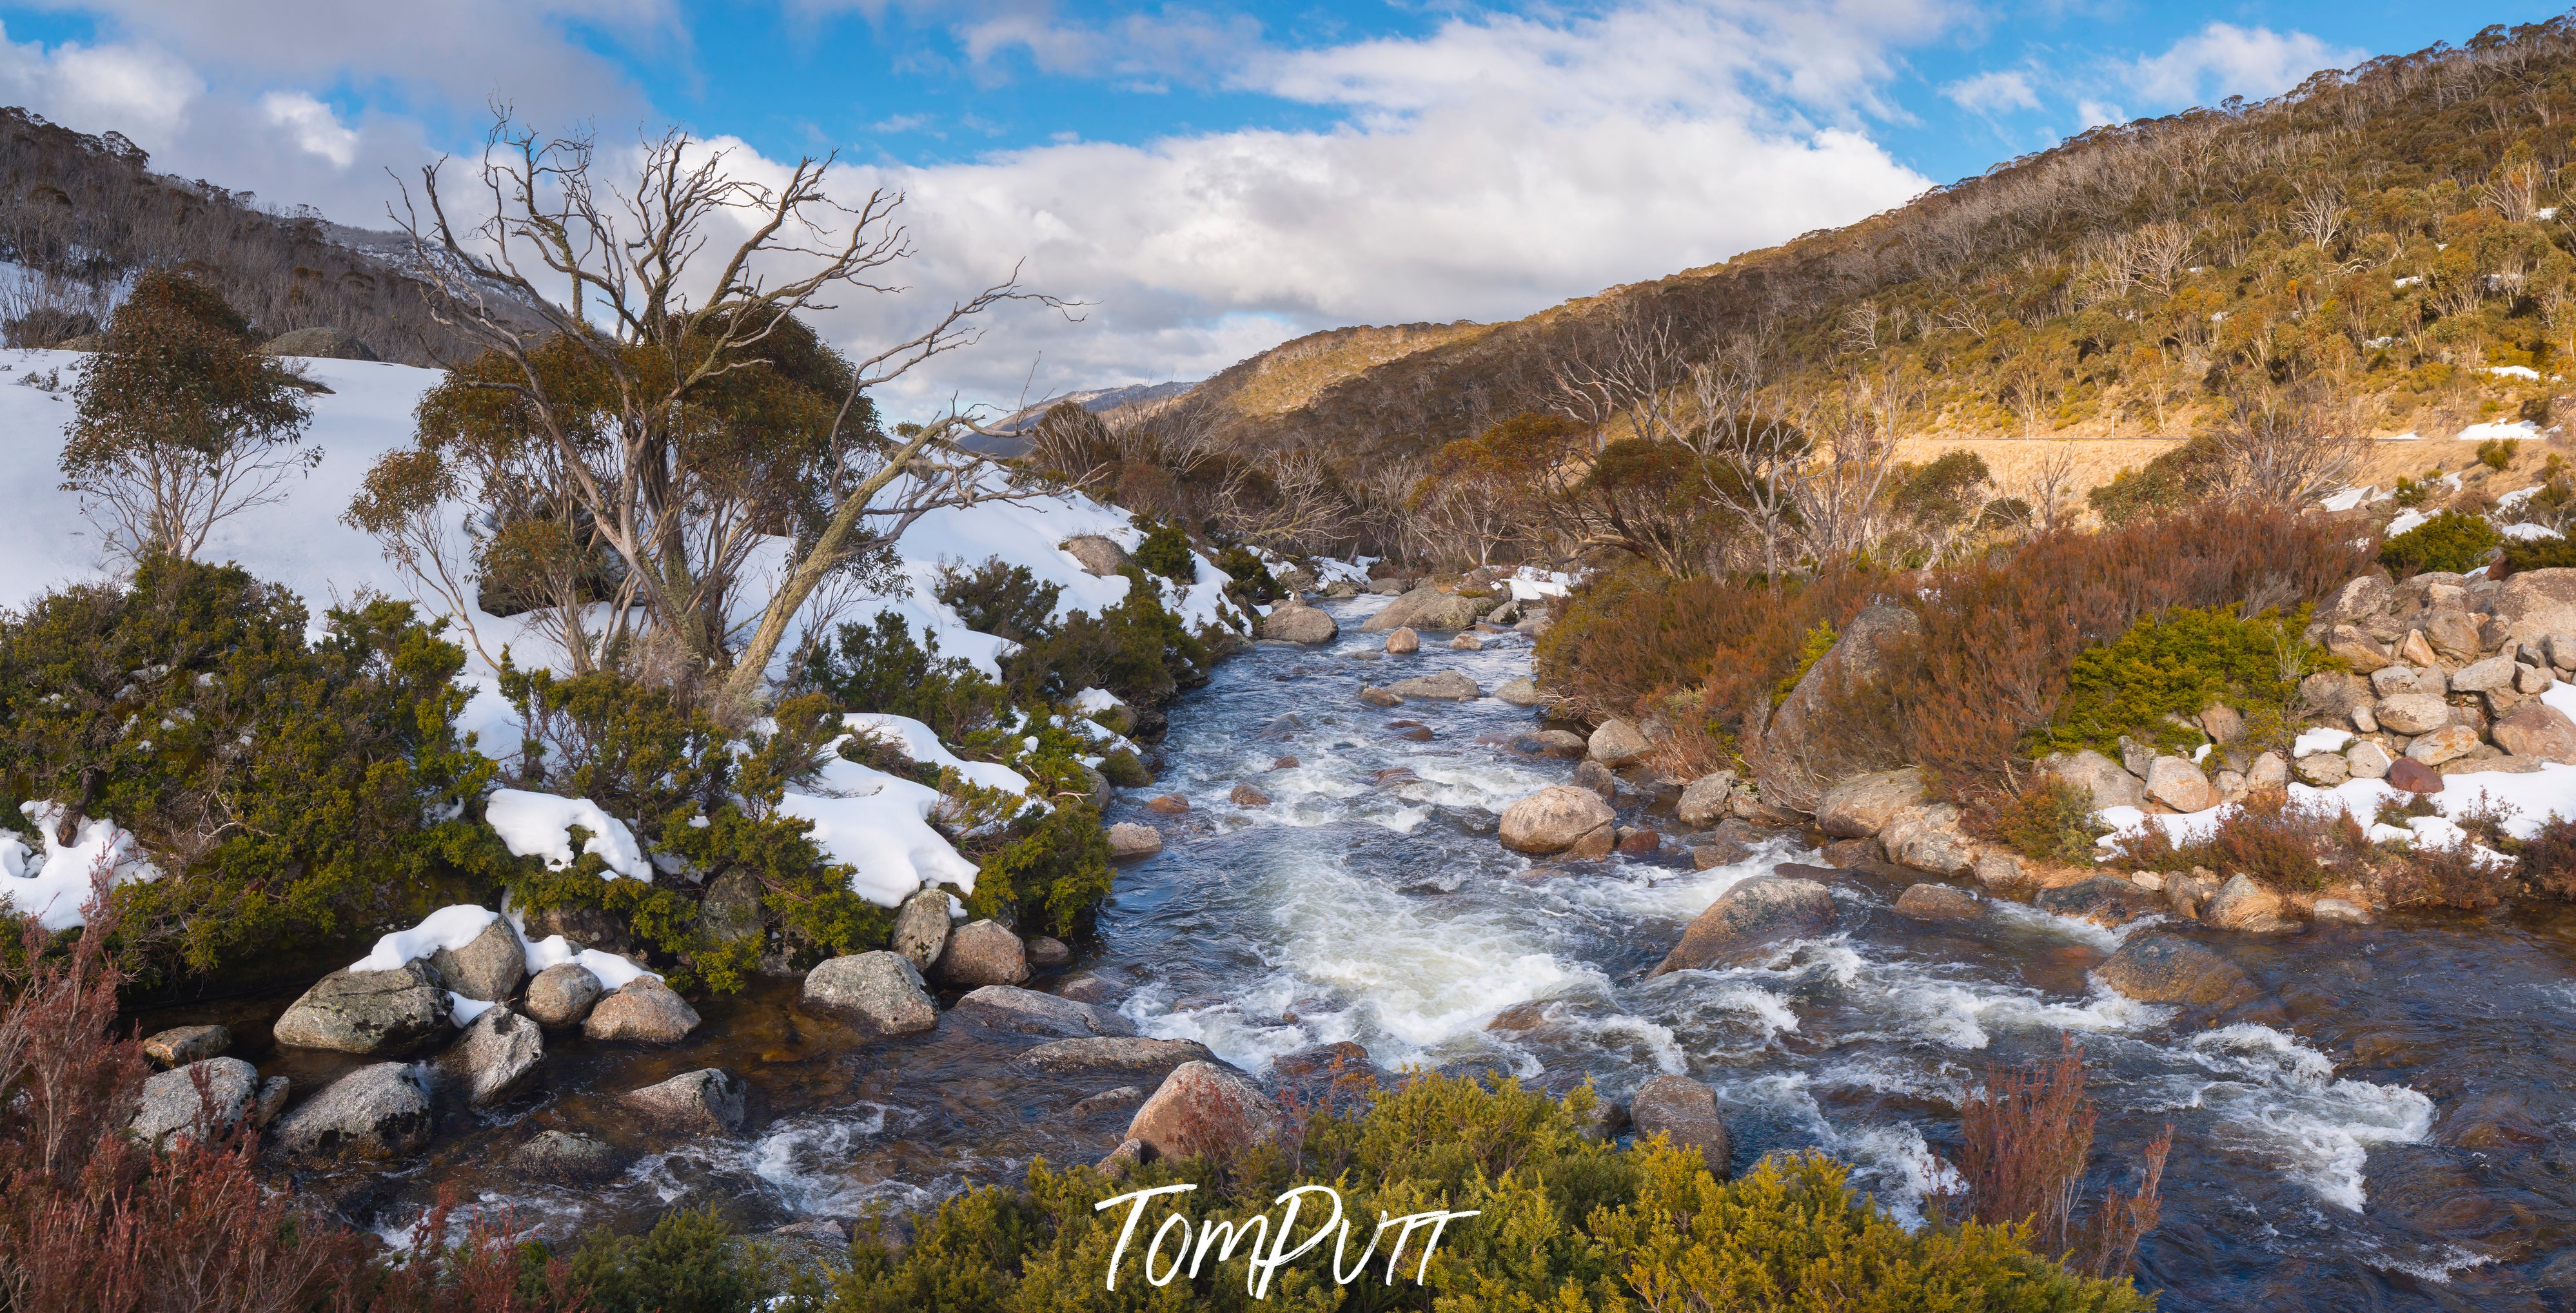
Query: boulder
{"points": [[1447, 686], [488, 969], [2101, 899], [2364, 598], [2535, 604], [1937, 902], [1378, 697], [2560, 649], [1169, 804], [1204, 1108], [921, 925], [2366, 761], [2135, 758], [1401, 641], [2454, 634], [2531, 680], [2484, 676], [2339, 911], [1861, 806], [2241, 904], [1046, 954], [1557, 819], [2391, 681], [2414, 776], [181, 1045], [393, 1013], [1928, 839], [2178, 784], [732, 913], [1596, 777], [644, 1010], [1466, 643], [1007, 1007], [709, 1100], [878, 992], [2221, 722], [2414, 650], [1749, 917], [562, 994], [2359, 650], [171, 1105], [1097, 555], [2110, 782], [2444, 744], [1444, 611], [374, 1112], [2172, 969], [1520, 692], [1703, 801], [1245, 795], [982, 953], [1617, 743], [1641, 844], [565, 1156], [1118, 1053], [1684, 1112], [496, 1059], [1128, 839], [2323, 769], [2267, 771], [1297, 622], [1792, 754], [2000, 871], [320, 344], [2536, 730], [584, 927], [2186, 892]]}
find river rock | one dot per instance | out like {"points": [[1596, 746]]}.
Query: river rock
{"points": [[1520, 692], [562, 995], [374, 1113], [1749, 917], [1378, 697], [181, 1045], [172, 1106], [1559, 818], [703, 1101], [1204, 1108], [879, 992], [2484, 676], [731, 913], [1792, 753], [2412, 713], [982, 953], [2267, 771], [1245, 795], [1640, 844], [1097, 555], [1999, 871], [2536, 730], [2339, 911], [393, 1013], [2414, 776], [565, 1156], [496, 1059], [644, 1010], [488, 969], [1119, 1053], [2241, 904], [1594, 776], [1466, 643], [1401, 641], [2109, 782], [1703, 801], [2101, 899], [1297, 622], [1128, 839], [2179, 784], [1046, 954], [583, 927], [1169, 804], [1684, 1112], [1447, 686], [1937, 902], [921, 926], [2172, 969], [1859, 807], [1006, 1007], [2367, 761], [1617, 743], [2445, 744], [1928, 839]]}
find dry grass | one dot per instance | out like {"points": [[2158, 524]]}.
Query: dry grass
{"points": [[1292, 374]]}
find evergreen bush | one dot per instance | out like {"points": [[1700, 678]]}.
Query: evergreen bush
{"points": [[1166, 552], [2451, 541], [2161, 673]]}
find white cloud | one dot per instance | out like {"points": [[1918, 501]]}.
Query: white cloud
{"points": [[1992, 93], [314, 125], [2223, 60]]}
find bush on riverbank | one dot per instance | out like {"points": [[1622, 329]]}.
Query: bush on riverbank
{"points": [[2152, 682]]}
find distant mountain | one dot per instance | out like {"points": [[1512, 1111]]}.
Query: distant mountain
{"points": [[1111, 403]]}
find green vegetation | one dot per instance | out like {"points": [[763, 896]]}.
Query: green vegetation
{"points": [[2539, 553], [692, 1261], [1137, 650], [1166, 552], [2497, 453], [884, 668], [1253, 583], [2167, 670], [2452, 541], [2049, 819], [1000, 599]]}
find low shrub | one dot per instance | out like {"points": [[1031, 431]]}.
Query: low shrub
{"points": [[1124, 770], [2451, 541], [2279, 840], [1137, 650], [998, 598], [2497, 453], [883, 668], [1253, 584], [2168, 668], [2049, 819], [2549, 857], [1166, 552], [2538, 554], [692, 1261]]}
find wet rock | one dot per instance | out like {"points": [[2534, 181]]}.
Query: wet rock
{"points": [[1205, 1108], [584, 927], [643, 1011], [1090, 987], [2178, 784], [1046, 953], [1848, 854], [2413, 776], [1748, 918], [562, 994], [701, 1101], [1704, 800], [1401, 642], [1128, 839], [1938, 902], [2241, 904], [2367, 761], [1318, 1065], [2103, 900], [1245, 795], [1296, 622], [372, 1113], [921, 925], [1559, 818], [1928, 839], [1170, 804], [1596, 777], [393, 1013], [1520, 692], [2412, 713], [1416, 734], [1861, 806], [1617, 743], [1446, 686], [1466, 643], [2445, 744], [2536, 730], [2172, 969], [271, 1100], [2496, 1120], [171, 1105], [1644, 843], [1378, 697], [1119, 1053], [1285, 763], [1719, 850], [1684, 1112], [982, 953], [1562, 744], [1999, 871], [878, 992], [2111, 783], [1125, 1096], [2341, 912], [1097, 555], [497, 1058], [181, 1045], [1005, 1007], [2185, 893]]}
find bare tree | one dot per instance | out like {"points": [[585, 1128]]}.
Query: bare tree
{"points": [[1749, 451], [1841, 493], [2284, 444]]}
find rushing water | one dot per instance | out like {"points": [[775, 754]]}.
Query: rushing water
{"points": [[2403, 1140]]}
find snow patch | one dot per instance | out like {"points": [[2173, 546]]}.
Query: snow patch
{"points": [[53, 888], [537, 825]]}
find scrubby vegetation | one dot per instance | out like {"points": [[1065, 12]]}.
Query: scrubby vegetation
{"points": [[2451, 541], [2152, 682]]}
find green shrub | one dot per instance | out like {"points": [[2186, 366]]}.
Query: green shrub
{"points": [[1000, 599], [2410, 494], [2174, 667], [2522, 554], [885, 669], [1137, 650], [2049, 819], [2169, 482], [1253, 583], [690, 1262], [2497, 453], [2452, 542], [1124, 770], [1166, 552]]}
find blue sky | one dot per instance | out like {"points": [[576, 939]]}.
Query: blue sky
{"points": [[1213, 176]]}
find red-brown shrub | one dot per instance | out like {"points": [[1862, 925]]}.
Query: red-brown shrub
{"points": [[2279, 841], [2549, 857]]}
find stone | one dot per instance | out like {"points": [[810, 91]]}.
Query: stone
{"points": [[1128, 839], [488, 969], [982, 953], [562, 994], [2538, 603], [731, 913], [2187, 892], [1520, 692], [879, 992], [1596, 777], [393, 1013], [497, 1058], [1007, 1007], [1296, 622], [2443, 744], [2359, 650], [707, 1100], [2453, 634], [2414, 776], [2110, 783], [2241, 904], [2365, 718], [2221, 722], [1559, 743], [2536, 730], [1047, 953], [1206, 1108], [1401, 641], [1684, 1112], [2414, 650], [1616, 743], [2172, 969], [1378, 697], [1937, 902], [2178, 784], [586, 927], [1861, 806], [171, 1105], [2366, 761], [2103, 900], [1169, 804], [2229, 784], [1928, 839], [2267, 771], [2532, 681], [1125, 1096], [320, 344], [181, 1045], [1118, 1053], [1703, 800], [375, 1112], [921, 926], [1642, 844], [1557, 819], [1749, 917], [1719, 851], [565, 1156], [2135, 757], [2364, 597], [2483, 676], [2148, 880], [1790, 752], [1466, 643], [2339, 911], [2393, 680], [645, 1011], [1999, 870], [2413, 713], [1447, 686], [1245, 795], [2323, 769], [2561, 649], [1097, 555]]}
